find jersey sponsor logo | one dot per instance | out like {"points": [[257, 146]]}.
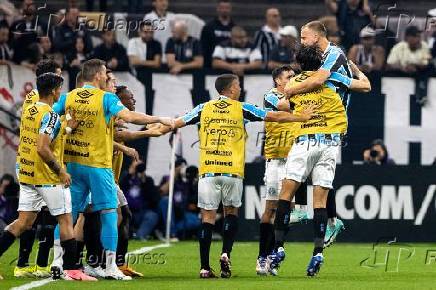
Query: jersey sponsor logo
{"points": [[221, 106], [76, 153], [87, 124], [77, 143], [221, 131], [28, 140], [81, 101], [219, 152], [26, 162], [26, 173], [218, 162], [33, 111], [85, 94], [209, 121], [25, 150]]}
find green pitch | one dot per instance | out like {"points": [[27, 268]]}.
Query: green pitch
{"points": [[347, 266]]}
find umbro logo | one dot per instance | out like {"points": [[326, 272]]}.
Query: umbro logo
{"points": [[33, 110], [84, 94], [222, 105]]}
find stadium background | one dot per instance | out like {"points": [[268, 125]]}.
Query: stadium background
{"points": [[391, 201]]}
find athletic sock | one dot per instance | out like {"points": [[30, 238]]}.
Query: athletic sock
{"points": [[109, 231], [281, 223], [301, 194], [69, 248], [26, 243], [6, 240], [331, 204], [205, 239], [123, 236], [230, 228], [80, 245], [319, 228], [57, 254], [265, 230], [91, 236], [45, 237]]}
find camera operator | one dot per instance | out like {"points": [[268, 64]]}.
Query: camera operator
{"points": [[377, 154]]}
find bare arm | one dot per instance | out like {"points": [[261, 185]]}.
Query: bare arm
{"points": [[308, 85], [127, 150], [196, 63], [126, 135], [352, 54], [257, 64], [283, 117], [43, 149], [362, 83], [171, 59], [221, 64], [284, 105], [143, 119], [155, 63]]}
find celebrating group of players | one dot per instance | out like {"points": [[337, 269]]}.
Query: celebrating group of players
{"points": [[305, 122]]}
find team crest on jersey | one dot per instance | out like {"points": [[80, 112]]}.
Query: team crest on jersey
{"points": [[84, 94], [222, 105]]}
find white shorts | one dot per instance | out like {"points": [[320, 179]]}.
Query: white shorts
{"points": [[122, 201], [56, 198], [216, 189], [317, 159], [274, 174]]}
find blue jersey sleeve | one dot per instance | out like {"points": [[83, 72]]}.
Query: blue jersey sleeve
{"points": [[193, 117], [59, 106], [340, 78], [111, 106], [50, 125], [330, 59], [253, 113], [271, 101]]}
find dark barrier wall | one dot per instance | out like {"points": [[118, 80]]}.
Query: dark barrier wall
{"points": [[375, 202]]}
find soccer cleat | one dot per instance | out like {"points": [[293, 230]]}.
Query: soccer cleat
{"points": [[226, 266], [42, 272], [24, 272], [96, 272], [261, 268], [129, 271], [77, 275], [332, 232], [207, 274], [114, 273], [315, 264], [298, 216], [56, 273], [274, 260]]}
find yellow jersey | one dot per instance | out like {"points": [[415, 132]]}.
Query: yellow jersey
{"points": [[330, 117], [278, 136], [39, 118]]}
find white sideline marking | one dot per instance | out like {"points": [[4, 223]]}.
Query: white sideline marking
{"points": [[35, 284]]}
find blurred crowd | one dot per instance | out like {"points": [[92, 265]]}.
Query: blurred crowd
{"points": [[162, 40]]}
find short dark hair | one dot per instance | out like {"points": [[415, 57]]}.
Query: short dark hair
{"points": [[120, 89], [46, 66], [278, 72], [90, 68], [309, 58], [47, 82], [223, 82], [317, 26]]}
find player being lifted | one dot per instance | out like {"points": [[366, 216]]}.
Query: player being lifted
{"points": [[222, 161], [313, 153], [89, 152], [43, 179], [278, 141]]}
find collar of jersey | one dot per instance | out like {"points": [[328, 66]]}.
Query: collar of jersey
{"points": [[220, 97], [88, 87], [327, 49]]}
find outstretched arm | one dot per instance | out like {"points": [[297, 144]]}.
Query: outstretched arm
{"points": [[311, 83]]}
